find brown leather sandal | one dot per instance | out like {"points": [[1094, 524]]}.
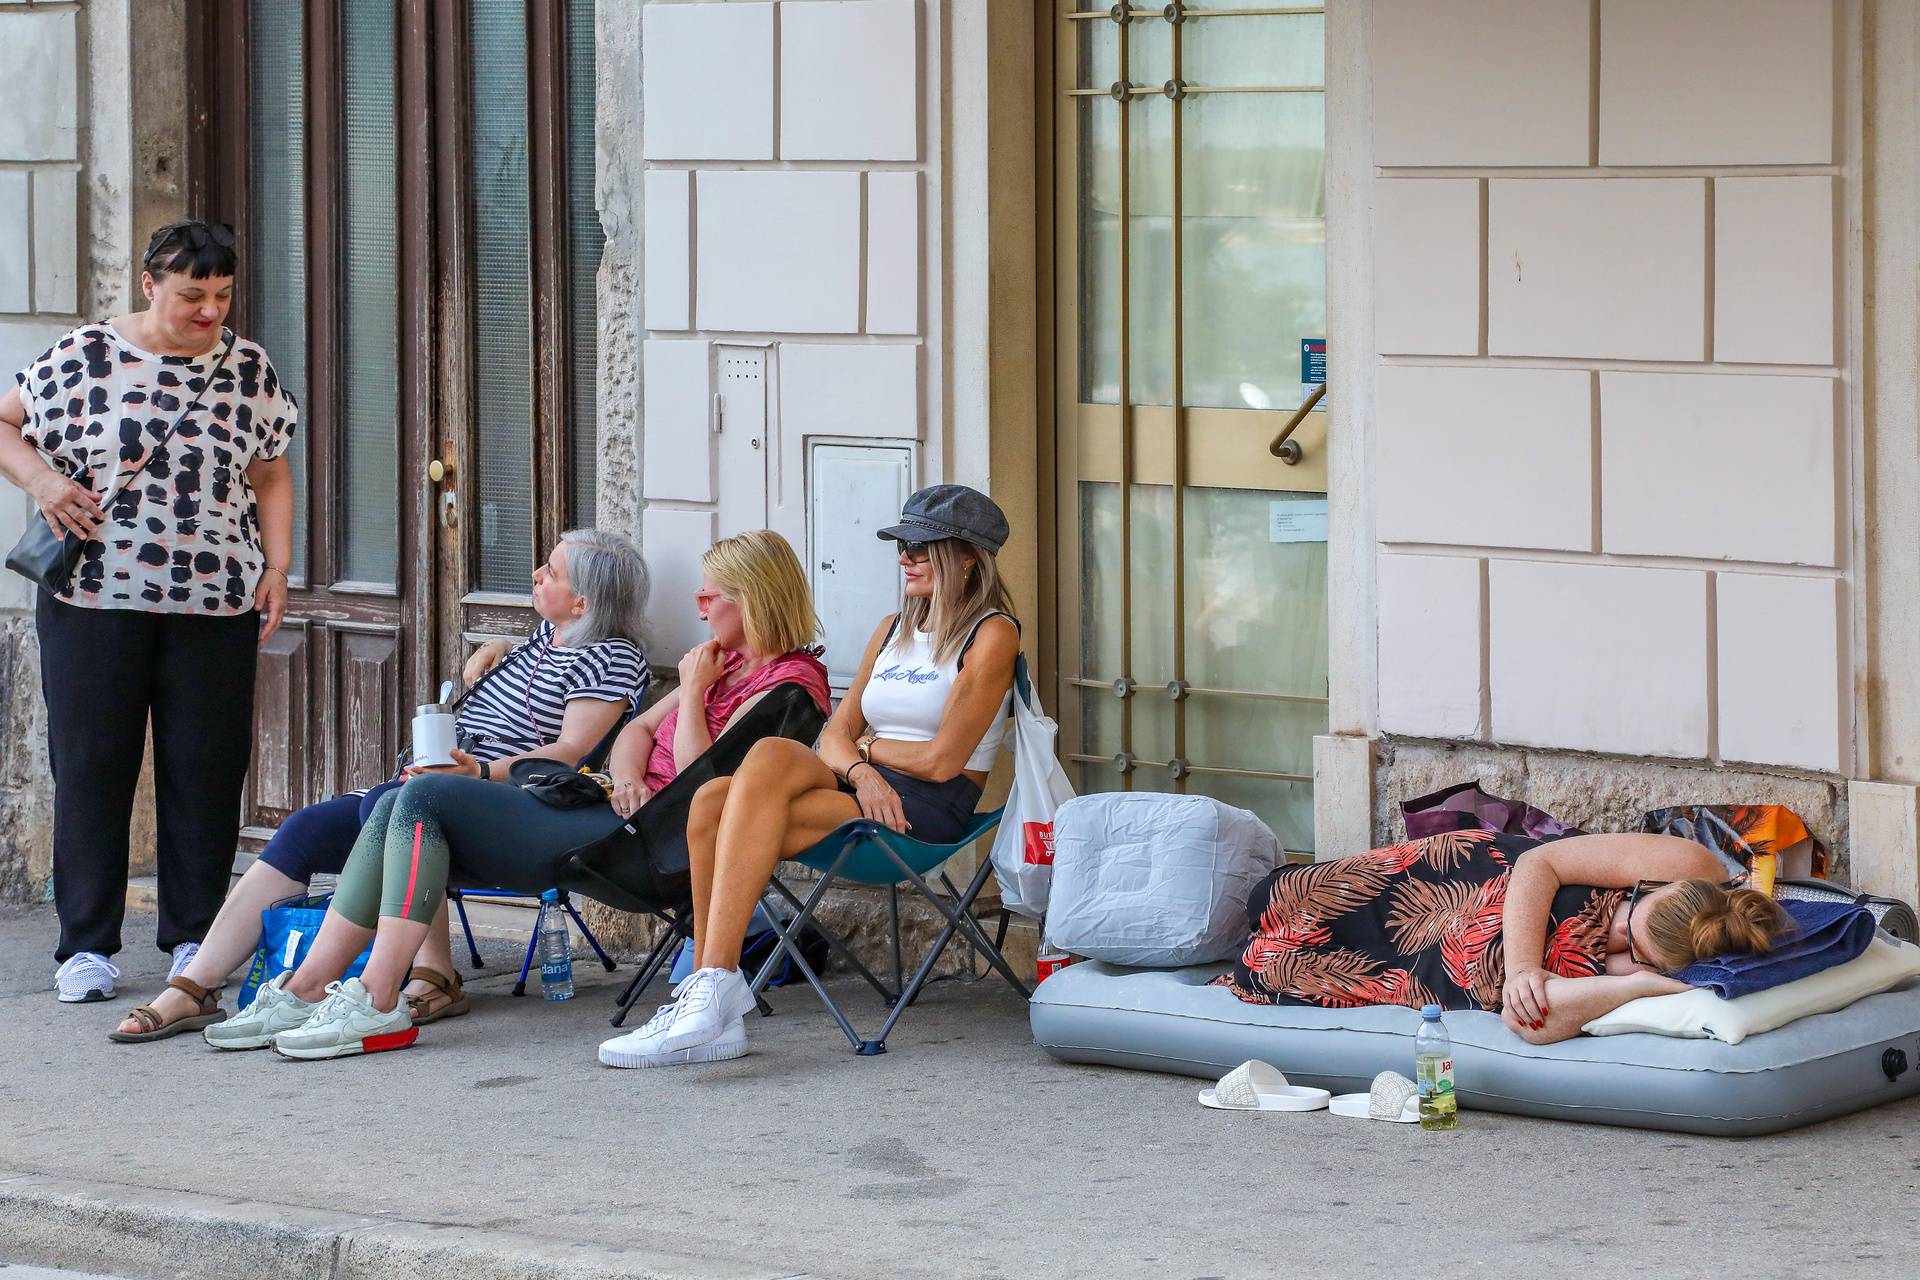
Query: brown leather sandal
{"points": [[449, 999], [154, 1027]]}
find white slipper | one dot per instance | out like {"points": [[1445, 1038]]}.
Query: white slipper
{"points": [[1255, 1086], [1393, 1098]]}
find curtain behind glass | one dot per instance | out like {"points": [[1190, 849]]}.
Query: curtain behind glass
{"points": [[370, 377], [503, 356], [276, 252], [585, 241]]}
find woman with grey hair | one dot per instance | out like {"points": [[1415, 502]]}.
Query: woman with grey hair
{"points": [[552, 696]]}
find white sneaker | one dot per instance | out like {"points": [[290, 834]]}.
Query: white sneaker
{"points": [[346, 1023], [634, 1050], [640, 1039], [272, 1010], [714, 999], [85, 978], [182, 957]]}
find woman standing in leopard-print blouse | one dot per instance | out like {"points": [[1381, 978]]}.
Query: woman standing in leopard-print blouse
{"points": [[182, 576]]}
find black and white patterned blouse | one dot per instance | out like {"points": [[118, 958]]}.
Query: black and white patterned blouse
{"points": [[183, 537], [520, 708]]}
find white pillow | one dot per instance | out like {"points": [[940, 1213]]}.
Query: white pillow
{"points": [[1700, 1014]]}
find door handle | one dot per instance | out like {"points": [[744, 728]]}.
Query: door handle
{"points": [[1284, 447], [441, 473]]}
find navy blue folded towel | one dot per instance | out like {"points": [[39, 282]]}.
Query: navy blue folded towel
{"points": [[1824, 934]]}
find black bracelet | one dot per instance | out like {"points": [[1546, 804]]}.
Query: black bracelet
{"points": [[856, 764], [486, 771]]}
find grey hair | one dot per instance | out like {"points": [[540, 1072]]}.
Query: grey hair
{"points": [[606, 568]]}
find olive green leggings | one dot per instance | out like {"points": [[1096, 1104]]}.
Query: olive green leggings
{"points": [[488, 833]]}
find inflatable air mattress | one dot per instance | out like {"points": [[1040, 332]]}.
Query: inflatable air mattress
{"points": [[1829, 1064]]}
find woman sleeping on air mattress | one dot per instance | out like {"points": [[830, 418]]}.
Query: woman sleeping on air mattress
{"points": [[1548, 935]]}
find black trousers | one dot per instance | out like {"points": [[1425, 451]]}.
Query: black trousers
{"points": [[104, 672]]}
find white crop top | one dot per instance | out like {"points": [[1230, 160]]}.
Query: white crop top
{"points": [[906, 696]]}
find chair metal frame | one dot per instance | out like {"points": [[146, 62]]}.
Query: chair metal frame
{"points": [[633, 868], [901, 860], [459, 899]]}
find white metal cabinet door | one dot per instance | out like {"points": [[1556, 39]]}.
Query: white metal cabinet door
{"points": [[854, 489]]}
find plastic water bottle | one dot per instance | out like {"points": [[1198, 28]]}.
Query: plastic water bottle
{"points": [[556, 949], [1433, 1070], [1048, 959]]}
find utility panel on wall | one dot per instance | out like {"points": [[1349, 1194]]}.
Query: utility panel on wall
{"points": [[740, 431], [855, 488]]}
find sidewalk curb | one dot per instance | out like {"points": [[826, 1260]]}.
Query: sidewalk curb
{"points": [[159, 1235]]}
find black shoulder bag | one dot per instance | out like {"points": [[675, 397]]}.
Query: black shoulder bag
{"points": [[48, 559]]}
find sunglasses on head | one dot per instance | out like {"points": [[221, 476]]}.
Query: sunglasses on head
{"points": [[191, 235]]}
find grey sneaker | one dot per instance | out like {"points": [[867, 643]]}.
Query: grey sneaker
{"points": [[85, 978], [182, 957], [346, 1023], [274, 1009]]}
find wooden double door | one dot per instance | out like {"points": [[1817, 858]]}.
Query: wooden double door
{"points": [[411, 182]]}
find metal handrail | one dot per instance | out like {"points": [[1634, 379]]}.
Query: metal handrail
{"points": [[1284, 447]]}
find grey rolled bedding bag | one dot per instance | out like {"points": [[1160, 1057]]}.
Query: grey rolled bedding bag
{"points": [[1155, 881]]}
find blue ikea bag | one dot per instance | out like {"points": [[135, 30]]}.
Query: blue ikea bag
{"points": [[287, 931]]}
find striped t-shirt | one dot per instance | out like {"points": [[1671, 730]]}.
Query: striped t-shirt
{"points": [[519, 706]]}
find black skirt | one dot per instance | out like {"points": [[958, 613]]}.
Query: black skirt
{"points": [[937, 812]]}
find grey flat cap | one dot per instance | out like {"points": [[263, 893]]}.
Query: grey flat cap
{"points": [[951, 511]]}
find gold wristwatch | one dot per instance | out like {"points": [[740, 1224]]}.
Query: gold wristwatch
{"points": [[865, 747]]}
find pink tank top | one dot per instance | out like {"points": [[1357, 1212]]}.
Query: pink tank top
{"points": [[724, 697]]}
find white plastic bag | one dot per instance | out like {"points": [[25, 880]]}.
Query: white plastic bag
{"points": [[1023, 846]]}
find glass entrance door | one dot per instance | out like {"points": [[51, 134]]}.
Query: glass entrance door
{"points": [[1190, 265]]}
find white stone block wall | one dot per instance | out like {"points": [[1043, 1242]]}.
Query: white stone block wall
{"points": [[39, 210], [1611, 373], [42, 278], [791, 161]]}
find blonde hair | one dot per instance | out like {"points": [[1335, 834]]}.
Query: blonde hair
{"points": [[763, 575], [967, 587], [1699, 919]]}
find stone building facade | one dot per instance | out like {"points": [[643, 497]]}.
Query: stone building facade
{"points": [[1620, 457]]}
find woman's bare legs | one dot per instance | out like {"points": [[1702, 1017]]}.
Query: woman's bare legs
{"points": [[334, 948], [436, 952], [784, 802], [394, 945], [703, 829], [231, 939]]}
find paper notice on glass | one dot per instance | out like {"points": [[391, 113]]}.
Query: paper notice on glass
{"points": [[1297, 520], [1313, 369]]}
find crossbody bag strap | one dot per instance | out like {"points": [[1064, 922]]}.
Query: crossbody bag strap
{"points": [[166, 438], [460, 699]]}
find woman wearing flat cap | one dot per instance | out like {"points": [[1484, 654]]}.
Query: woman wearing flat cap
{"points": [[909, 747]]}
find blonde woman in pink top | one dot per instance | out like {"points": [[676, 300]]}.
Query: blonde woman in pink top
{"points": [[754, 595]]}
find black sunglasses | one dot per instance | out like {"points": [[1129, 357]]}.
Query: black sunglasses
{"points": [[192, 235], [917, 552]]}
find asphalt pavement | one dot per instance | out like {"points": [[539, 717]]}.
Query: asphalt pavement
{"points": [[499, 1146]]}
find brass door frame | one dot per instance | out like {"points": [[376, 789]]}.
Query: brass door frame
{"points": [[1107, 441]]}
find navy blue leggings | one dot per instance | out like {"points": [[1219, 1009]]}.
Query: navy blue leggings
{"points": [[316, 840]]}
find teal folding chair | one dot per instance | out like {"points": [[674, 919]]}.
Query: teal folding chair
{"points": [[863, 852]]}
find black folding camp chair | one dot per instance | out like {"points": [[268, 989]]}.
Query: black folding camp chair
{"points": [[642, 866]]}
